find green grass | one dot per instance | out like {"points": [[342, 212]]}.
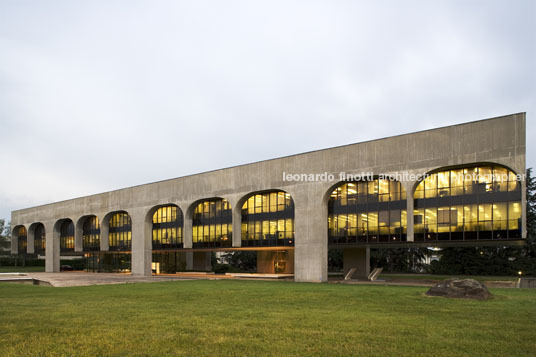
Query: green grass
{"points": [[248, 318], [19, 269], [442, 277]]}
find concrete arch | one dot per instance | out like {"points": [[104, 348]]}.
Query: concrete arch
{"points": [[454, 167], [105, 228], [237, 211], [31, 236], [148, 221], [79, 231], [15, 234], [329, 191]]}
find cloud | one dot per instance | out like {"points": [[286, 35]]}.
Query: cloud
{"points": [[101, 95]]}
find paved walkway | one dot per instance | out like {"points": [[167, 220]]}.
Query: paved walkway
{"points": [[86, 279]]}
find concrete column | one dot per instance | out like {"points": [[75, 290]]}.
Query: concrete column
{"points": [[237, 226], [357, 258], [142, 248], [104, 237], [311, 234], [187, 230], [52, 252], [30, 240], [78, 232], [189, 260]]}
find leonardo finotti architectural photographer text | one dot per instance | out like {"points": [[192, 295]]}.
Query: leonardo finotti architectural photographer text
{"points": [[398, 176]]}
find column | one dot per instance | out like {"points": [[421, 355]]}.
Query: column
{"points": [[142, 248], [237, 226], [78, 232], [408, 186], [52, 252], [30, 240], [311, 230], [104, 237]]}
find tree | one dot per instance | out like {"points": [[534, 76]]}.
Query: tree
{"points": [[5, 237]]}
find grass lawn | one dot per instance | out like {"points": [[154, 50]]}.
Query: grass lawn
{"points": [[248, 318], [442, 277], [19, 269]]}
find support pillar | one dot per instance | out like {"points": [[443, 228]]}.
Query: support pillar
{"points": [[237, 226], [78, 232], [52, 251], [104, 238], [30, 240], [311, 234], [189, 261], [142, 249]]}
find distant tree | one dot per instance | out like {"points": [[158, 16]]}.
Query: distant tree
{"points": [[242, 260], [5, 237], [401, 260]]}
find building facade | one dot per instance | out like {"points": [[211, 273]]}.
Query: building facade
{"points": [[459, 185]]}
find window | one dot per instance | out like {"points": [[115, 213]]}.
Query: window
{"points": [[468, 203], [167, 228], [367, 211], [212, 224], [268, 220]]}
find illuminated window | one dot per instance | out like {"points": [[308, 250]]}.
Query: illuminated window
{"points": [[91, 234], [22, 240], [268, 220], [167, 228], [67, 236], [120, 232], [212, 224], [39, 239], [478, 202], [367, 211]]}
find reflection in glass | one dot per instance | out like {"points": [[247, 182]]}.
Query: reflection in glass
{"points": [[268, 220], [479, 202], [367, 211]]}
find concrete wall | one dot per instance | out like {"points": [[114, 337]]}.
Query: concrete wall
{"points": [[498, 140]]}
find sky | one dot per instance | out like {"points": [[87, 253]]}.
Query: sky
{"points": [[101, 95]]}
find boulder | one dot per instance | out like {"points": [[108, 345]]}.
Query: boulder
{"points": [[460, 288]]}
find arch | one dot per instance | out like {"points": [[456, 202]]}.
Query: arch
{"points": [[470, 202], [167, 224], [267, 219], [37, 230], [367, 211], [65, 227], [21, 235], [89, 227], [212, 223], [119, 231]]}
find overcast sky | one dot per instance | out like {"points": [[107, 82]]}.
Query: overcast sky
{"points": [[101, 95]]}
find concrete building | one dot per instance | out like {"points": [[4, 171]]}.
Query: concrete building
{"points": [[291, 210]]}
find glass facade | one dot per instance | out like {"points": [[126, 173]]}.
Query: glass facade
{"points": [[367, 212], [22, 240], [212, 224], [268, 220], [169, 262], [120, 232], [39, 239], [478, 202], [107, 262], [91, 234], [167, 228], [67, 236]]}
